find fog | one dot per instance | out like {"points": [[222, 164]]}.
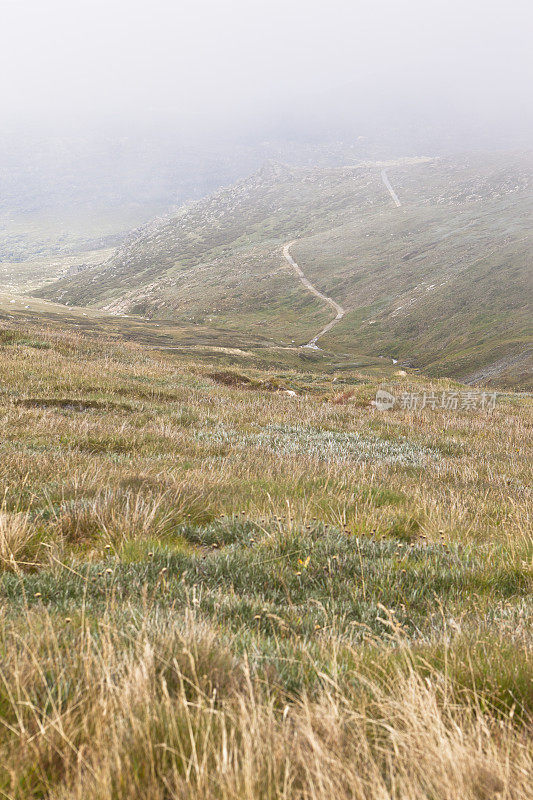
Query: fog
{"points": [[228, 68], [114, 111]]}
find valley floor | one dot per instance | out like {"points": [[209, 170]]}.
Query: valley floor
{"points": [[228, 577]]}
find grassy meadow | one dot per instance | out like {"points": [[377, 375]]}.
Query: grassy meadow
{"points": [[212, 588]]}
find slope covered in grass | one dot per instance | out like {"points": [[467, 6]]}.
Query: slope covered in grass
{"points": [[443, 281], [210, 588]]}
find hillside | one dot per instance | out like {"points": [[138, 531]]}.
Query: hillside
{"points": [[441, 282], [70, 193], [60, 194]]}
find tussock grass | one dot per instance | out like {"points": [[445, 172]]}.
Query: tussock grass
{"points": [[19, 541], [213, 592], [166, 711]]}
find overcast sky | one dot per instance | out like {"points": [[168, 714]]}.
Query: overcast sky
{"points": [[215, 62]]}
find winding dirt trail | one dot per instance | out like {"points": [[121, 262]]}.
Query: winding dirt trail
{"points": [[339, 310]]}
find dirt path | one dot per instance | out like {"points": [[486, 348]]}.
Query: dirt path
{"points": [[339, 310], [385, 179]]}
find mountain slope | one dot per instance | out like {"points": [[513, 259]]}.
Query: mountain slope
{"points": [[441, 281]]}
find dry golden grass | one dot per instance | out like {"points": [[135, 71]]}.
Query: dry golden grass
{"points": [[214, 591], [172, 714], [18, 541]]}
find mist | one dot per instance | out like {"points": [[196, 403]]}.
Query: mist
{"points": [[114, 112], [228, 69]]}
